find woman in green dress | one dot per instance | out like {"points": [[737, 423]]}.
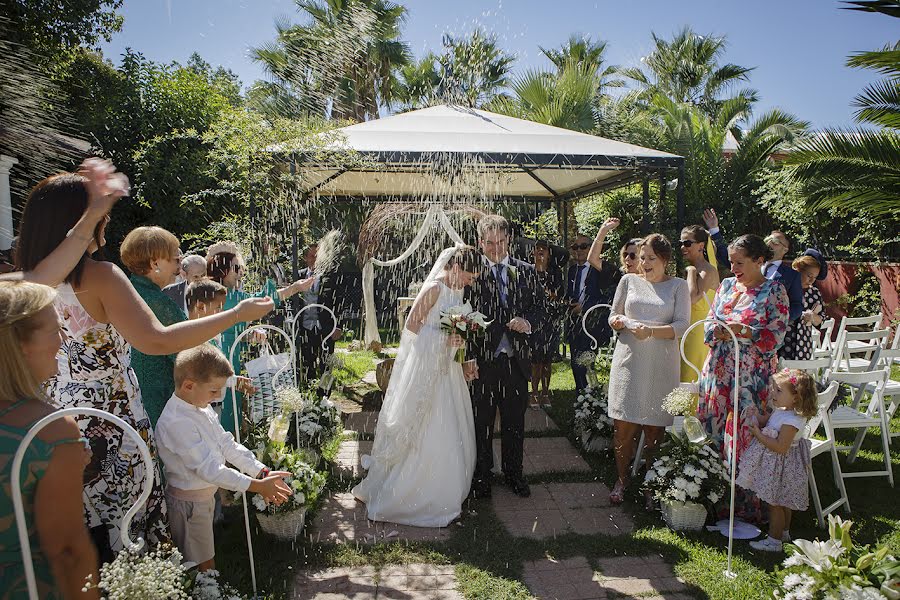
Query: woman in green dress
{"points": [[225, 265], [51, 475]]}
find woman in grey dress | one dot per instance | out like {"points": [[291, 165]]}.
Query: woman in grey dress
{"points": [[651, 311]]}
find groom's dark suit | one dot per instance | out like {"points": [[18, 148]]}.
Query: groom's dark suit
{"points": [[504, 365]]}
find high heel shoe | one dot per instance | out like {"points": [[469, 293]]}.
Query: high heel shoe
{"points": [[617, 495]]}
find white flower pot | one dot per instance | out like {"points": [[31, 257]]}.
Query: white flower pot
{"points": [[595, 444], [284, 525], [683, 516]]}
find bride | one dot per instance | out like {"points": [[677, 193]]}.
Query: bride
{"points": [[423, 457]]}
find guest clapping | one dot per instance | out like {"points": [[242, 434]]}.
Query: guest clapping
{"points": [[651, 312], [51, 473]]}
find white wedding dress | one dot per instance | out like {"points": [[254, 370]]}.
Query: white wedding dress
{"points": [[423, 457]]}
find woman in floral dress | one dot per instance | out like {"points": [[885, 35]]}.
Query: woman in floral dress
{"points": [[103, 316], [756, 310]]}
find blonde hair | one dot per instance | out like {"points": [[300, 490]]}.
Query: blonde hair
{"points": [[805, 261], [143, 245], [803, 387], [20, 303], [201, 364]]}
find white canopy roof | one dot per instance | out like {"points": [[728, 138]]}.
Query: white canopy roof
{"points": [[502, 156]]}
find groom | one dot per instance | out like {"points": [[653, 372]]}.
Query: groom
{"points": [[505, 293]]}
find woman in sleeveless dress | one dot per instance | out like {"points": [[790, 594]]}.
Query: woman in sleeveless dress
{"points": [[423, 457], [61, 550], [702, 276], [103, 317]]}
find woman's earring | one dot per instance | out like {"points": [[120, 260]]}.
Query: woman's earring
{"points": [[156, 270]]}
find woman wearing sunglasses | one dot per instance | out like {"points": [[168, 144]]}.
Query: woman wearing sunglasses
{"points": [[703, 280], [628, 257], [225, 265]]}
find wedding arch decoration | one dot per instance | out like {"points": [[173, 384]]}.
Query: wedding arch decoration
{"points": [[372, 233]]}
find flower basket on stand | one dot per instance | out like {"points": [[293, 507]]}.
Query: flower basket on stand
{"points": [[683, 516], [592, 421], [285, 525]]}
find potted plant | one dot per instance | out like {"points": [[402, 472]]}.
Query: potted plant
{"points": [[837, 570], [593, 424], [685, 478]]}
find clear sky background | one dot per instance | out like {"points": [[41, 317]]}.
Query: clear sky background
{"points": [[798, 47]]}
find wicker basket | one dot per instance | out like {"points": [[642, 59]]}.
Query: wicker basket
{"points": [[285, 525], [683, 516]]}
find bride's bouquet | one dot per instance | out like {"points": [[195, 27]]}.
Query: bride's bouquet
{"points": [[465, 322]]}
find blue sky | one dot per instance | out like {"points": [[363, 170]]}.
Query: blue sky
{"points": [[797, 46]]}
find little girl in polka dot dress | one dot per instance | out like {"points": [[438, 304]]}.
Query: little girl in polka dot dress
{"points": [[774, 464]]}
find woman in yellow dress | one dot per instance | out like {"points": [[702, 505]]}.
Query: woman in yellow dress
{"points": [[703, 280]]}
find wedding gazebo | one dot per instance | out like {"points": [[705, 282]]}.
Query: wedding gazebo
{"points": [[432, 152]]}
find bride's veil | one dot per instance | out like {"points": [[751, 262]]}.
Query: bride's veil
{"points": [[407, 400]]}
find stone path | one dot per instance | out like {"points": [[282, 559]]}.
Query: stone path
{"points": [[559, 508], [406, 582], [361, 422], [574, 579], [547, 455], [341, 519], [350, 454]]}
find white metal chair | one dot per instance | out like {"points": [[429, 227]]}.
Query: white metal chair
{"points": [[855, 349], [862, 417], [819, 447]]}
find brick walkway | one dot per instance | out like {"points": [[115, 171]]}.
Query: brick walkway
{"points": [[350, 454], [407, 582], [558, 508], [574, 579], [361, 422], [547, 455], [341, 519]]}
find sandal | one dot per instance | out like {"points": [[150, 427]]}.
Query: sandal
{"points": [[617, 495]]}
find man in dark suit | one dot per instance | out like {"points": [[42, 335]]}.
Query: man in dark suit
{"points": [[193, 268], [587, 287], [315, 324], [506, 293], [775, 269]]}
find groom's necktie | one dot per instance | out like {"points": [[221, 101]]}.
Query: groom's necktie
{"points": [[501, 282]]}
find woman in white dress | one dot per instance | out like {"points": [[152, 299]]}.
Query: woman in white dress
{"points": [[423, 457]]}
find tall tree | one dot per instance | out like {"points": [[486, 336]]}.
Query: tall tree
{"points": [[858, 170], [343, 61], [418, 83], [583, 50], [473, 69]]}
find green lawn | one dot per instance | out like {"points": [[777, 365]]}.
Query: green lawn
{"points": [[489, 561]]}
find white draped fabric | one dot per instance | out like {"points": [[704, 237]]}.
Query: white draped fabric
{"points": [[434, 216]]}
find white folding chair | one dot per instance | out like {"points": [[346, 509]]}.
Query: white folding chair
{"points": [[823, 342], [855, 349], [856, 324], [884, 359], [860, 417], [819, 447], [816, 367]]}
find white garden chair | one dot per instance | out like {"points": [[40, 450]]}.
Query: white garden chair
{"points": [[855, 349], [859, 324], [18, 506], [885, 359], [820, 447], [822, 341], [816, 367], [862, 416]]}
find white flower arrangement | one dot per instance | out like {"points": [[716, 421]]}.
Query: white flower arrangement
{"points": [[679, 402], [158, 574], [687, 472], [592, 418], [305, 482], [317, 419], [837, 570]]}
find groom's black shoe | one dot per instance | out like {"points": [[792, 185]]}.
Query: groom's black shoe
{"points": [[481, 489], [519, 486]]}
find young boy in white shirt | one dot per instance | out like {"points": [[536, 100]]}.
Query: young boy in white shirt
{"points": [[194, 448]]}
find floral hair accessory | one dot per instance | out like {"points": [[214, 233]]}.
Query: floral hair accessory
{"points": [[792, 377]]}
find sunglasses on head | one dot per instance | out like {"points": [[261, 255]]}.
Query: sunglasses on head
{"points": [[631, 255], [579, 246], [688, 243]]}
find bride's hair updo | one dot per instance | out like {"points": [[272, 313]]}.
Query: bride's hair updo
{"points": [[467, 258]]}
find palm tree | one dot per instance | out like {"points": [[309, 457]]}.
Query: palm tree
{"points": [[417, 84], [473, 70], [859, 169], [344, 60], [687, 70], [583, 50]]}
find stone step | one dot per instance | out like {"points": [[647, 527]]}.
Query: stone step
{"points": [[558, 508], [361, 422], [417, 581], [342, 519]]}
